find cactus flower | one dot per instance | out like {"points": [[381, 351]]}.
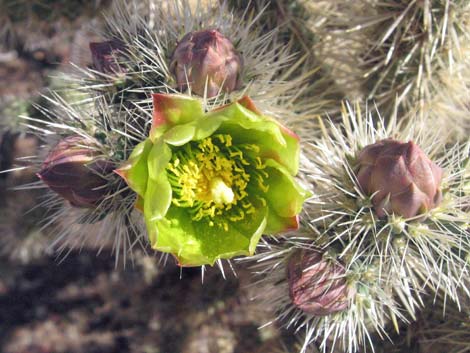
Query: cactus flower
{"points": [[317, 286], [104, 56], [210, 184], [401, 178], [209, 57], [73, 171]]}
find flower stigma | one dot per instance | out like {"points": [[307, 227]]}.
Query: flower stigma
{"points": [[221, 193]]}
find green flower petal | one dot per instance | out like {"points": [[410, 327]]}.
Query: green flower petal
{"points": [[197, 243], [180, 134], [277, 224], [170, 110], [290, 155], [196, 130], [157, 199], [285, 196], [207, 126], [158, 159], [135, 171], [279, 143], [237, 114], [268, 136]]}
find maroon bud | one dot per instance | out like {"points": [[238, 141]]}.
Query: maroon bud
{"points": [[401, 178], [206, 57], [105, 56], [74, 171], [317, 286]]}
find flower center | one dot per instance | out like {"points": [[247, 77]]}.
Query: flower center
{"points": [[221, 193], [212, 178]]}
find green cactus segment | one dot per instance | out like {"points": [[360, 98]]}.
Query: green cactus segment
{"points": [[210, 184]]}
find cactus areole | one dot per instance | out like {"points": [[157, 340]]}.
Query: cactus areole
{"points": [[206, 62], [210, 184], [400, 178]]}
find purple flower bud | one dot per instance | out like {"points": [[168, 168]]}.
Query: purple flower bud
{"points": [[104, 56], [206, 57], [74, 171], [401, 178], [317, 286]]}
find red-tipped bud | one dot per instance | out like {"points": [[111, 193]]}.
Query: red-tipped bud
{"points": [[401, 178], [318, 286], [206, 57], [105, 56], [74, 171]]}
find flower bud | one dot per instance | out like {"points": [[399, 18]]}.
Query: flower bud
{"points": [[104, 56], [401, 178], [317, 286], [209, 57], [73, 170]]}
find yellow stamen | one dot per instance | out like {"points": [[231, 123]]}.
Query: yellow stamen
{"points": [[210, 178]]}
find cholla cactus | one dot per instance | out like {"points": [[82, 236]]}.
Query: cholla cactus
{"points": [[396, 48], [115, 108], [77, 143], [392, 216], [105, 56], [415, 39], [155, 46], [448, 107], [345, 313], [392, 251]]}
